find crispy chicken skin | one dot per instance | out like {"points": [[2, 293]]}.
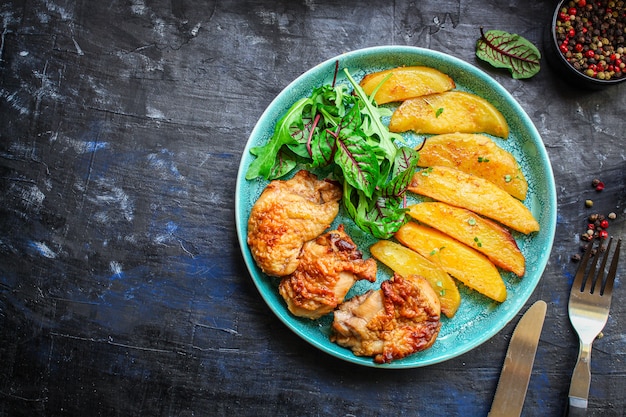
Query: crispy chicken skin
{"points": [[328, 267], [399, 319], [288, 214]]}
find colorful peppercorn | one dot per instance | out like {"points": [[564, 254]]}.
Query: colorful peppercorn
{"points": [[590, 35], [596, 224]]}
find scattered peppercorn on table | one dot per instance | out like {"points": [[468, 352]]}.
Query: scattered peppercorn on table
{"points": [[123, 289]]}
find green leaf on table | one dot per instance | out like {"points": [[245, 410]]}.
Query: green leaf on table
{"points": [[508, 50]]}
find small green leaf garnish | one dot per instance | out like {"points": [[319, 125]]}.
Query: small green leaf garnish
{"points": [[439, 111], [478, 242], [483, 159], [471, 221], [505, 50], [507, 178], [436, 251]]}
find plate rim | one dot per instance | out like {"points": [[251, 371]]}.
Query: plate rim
{"points": [[551, 199]]}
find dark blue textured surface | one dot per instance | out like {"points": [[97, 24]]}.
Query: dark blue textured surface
{"points": [[122, 288]]}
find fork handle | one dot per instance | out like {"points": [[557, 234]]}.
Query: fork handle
{"points": [[579, 385], [573, 410]]}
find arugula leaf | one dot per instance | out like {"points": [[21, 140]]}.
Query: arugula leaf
{"points": [[505, 50], [373, 124], [266, 155]]}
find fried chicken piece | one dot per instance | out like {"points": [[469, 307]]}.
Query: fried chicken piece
{"points": [[328, 267], [395, 321], [288, 214]]}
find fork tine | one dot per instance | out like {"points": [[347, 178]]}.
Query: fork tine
{"points": [[610, 278], [580, 273], [598, 279], [591, 273]]}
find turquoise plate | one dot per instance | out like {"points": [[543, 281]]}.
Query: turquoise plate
{"points": [[478, 318]]}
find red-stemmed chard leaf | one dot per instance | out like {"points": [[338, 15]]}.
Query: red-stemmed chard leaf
{"points": [[509, 50]]}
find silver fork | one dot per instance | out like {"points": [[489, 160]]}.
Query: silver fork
{"points": [[589, 304]]}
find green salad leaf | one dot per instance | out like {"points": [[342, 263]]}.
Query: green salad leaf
{"points": [[342, 132], [267, 155], [505, 50]]}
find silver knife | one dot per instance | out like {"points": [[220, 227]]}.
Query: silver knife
{"points": [[518, 363]]}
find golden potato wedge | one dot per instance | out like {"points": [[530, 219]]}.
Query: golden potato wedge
{"points": [[484, 235], [449, 112], [468, 191], [475, 154], [406, 82], [459, 260], [407, 262]]}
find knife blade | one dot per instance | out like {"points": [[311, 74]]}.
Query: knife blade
{"points": [[518, 363]]}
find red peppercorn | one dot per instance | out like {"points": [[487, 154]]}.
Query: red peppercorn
{"points": [[591, 226], [572, 11], [563, 48], [571, 33], [582, 3], [578, 47], [604, 224], [600, 186], [590, 54], [603, 234]]}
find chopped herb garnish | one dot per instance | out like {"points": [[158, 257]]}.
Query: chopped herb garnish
{"points": [[439, 111], [478, 242], [483, 159], [507, 178], [427, 171], [471, 221], [435, 251]]}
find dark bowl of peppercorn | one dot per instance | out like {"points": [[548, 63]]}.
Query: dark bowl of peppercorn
{"points": [[586, 43]]}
